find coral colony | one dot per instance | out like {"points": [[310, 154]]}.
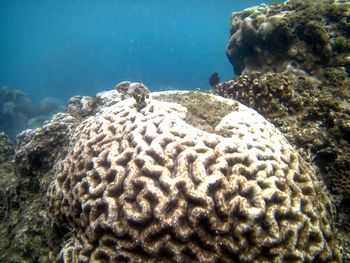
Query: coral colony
{"points": [[143, 184], [294, 64], [178, 176]]}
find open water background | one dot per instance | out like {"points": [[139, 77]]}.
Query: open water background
{"points": [[79, 47]]}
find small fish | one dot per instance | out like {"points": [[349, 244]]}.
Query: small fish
{"points": [[214, 79]]}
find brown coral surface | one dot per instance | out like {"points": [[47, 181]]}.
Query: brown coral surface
{"points": [[145, 185], [301, 38], [314, 118], [295, 60]]}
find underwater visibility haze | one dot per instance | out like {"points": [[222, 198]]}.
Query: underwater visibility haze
{"points": [[244, 157], [66, 48]]}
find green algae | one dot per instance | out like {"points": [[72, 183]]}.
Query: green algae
{"points": [[204, 111], [341, 44]]}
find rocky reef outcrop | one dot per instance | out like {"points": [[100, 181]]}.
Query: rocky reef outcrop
{"points": [[27, 233], [301, 38], [7, 148], [7, 151], [293, 66], [176, 180], [314, 118], [17, 112]]}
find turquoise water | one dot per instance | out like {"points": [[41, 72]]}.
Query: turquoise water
{"points": [[70, 47]]}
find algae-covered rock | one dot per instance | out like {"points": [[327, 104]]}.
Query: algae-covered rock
{"points": [[7, 148], [300, 48], [296, 38], [314, 117], [7, 151], [307, 43]]}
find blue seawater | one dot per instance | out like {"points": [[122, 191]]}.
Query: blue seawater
{"points": [[79, 47]]}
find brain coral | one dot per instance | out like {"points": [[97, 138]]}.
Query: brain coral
{"points": [[147, 186]]}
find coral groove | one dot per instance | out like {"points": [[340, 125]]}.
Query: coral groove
{"points": [[145, 186]]}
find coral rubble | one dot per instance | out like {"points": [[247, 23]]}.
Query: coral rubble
{"points": [[157, 184]]}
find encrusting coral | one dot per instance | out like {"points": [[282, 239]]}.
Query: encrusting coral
{"points": [[144, 185], [266, 93], [314, 118]]}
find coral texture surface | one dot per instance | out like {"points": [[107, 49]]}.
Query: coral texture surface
{"points": [[147, 186], [294, 64], [301, 38]]}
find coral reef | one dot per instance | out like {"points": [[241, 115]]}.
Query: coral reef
{"points": [[7, 151], [293, 62], [315, 118], [17, 112], [188, 176], [7, 148], [26, 231], [266, 93], [307, 42], [147, 185], [299, 38]]}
